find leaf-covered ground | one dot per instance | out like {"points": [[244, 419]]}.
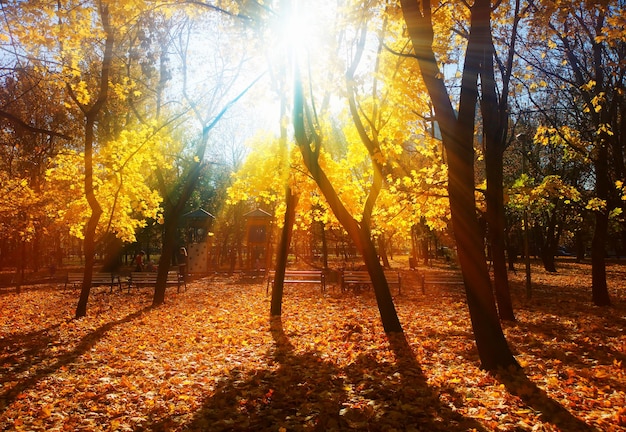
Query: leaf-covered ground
{"points": [[210, 359]]}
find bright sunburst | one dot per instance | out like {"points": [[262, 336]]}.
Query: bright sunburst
{"points": [[302, 27]]}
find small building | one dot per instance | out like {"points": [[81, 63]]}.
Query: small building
{"points": [[258, 230], [197, 226]]}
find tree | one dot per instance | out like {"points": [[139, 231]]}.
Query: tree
{"points": [[309, 144], [207, 112], [34, 127], [584, 67], [457, 132], [308, 132], [91, 109], [78, 51], [495, 115]]}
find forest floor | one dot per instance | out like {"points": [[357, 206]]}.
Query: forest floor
{"points": [[210, 359]]}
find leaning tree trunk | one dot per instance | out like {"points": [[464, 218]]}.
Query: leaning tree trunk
{"points": [[358, 232]]}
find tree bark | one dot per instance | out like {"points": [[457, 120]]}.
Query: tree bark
{"points": [[174, 205], [550, 240], [282, 252], [599, 288], [167, 253], [495, 124], [358, 232], [457, 136], [496, 233], [90, 122]]}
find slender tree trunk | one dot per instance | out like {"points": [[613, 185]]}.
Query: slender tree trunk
{"points": [[167, 254], [358, 232], [282, 253], [89, 243], [550, 243], [496, 222], [91, 114], [382, 251], [324, 245], [496, 121]]}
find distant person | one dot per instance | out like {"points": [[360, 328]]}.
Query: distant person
{"points": [[182, 261], [139, 261], [150, 267]]}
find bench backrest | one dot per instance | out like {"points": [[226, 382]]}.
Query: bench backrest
{"points": [[364, 276], [151, 277], [356, 275], [366, 273], [78, 277], [299, 273]]}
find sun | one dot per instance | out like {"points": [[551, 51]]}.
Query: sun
{"points": [[303, 26]]}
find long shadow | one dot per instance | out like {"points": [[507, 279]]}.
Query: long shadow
{"points": [[416, 393], [85, 344], [295, 391], [302, 391], [26, 341], [22, 350], [518, 384], [566, 302], [561, 305], [600, 354]]}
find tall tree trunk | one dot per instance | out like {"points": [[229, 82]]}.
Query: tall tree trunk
{"points": [[89, 243], [282, 253], [324, 245], [457, 135], [358, 232], [497, 233], [599, 288], [495, 115], [550, 242], [167, 254], [91, 114], [175, 204]]}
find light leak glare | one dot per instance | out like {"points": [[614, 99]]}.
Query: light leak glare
{"points": [[300, 28]]}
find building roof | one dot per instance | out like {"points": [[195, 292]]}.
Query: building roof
{"points": [[257, 213], [199, 214]]}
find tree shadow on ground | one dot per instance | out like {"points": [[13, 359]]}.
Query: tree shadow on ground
{"points": [[301, 391], [518, 384], [39, 350], [566, 301], [23, 350]]}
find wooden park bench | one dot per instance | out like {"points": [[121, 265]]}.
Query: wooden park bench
{"points": [[299, 277], [357, 278], [138, 279], [97, 279], [441, 279]]}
